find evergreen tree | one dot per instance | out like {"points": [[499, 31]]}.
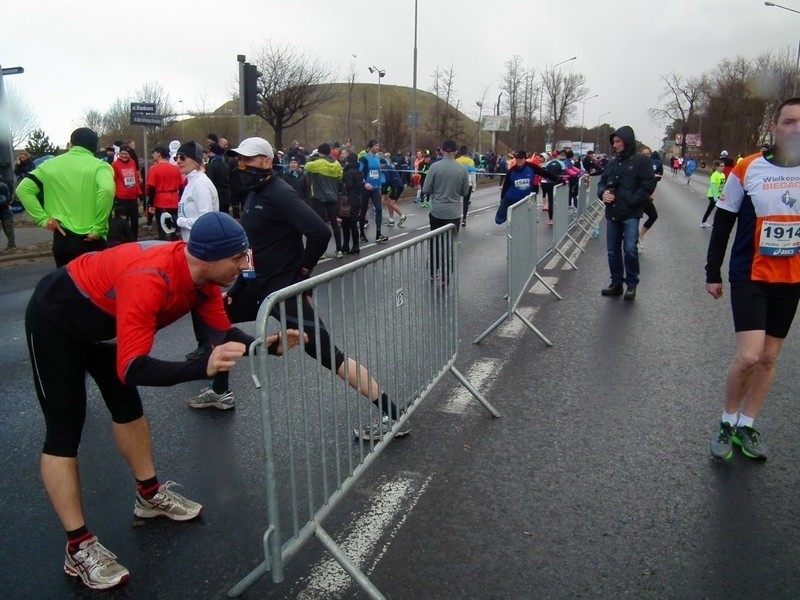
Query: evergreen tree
{"points": [[39, 144]]}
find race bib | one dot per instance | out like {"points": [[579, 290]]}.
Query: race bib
{"points": [[522, 184], [779, 238], [374, 174], [130, 182]]}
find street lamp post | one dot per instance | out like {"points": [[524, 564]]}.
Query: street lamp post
{"points": [[598, 128], [797, 66], [414, 90], [381, 73], [551, 130], [183, 128], [583, 118], [480, 114]]}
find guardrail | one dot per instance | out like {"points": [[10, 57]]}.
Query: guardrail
{"points": [[395, 314]]}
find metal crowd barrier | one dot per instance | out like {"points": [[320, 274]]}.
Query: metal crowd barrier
{"points": [[522, 260], [396, 314]]}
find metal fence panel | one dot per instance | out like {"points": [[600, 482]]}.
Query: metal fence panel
{"points": [[395, 314]]}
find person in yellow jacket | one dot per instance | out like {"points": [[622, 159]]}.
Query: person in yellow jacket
{"points": [[72, 196]]}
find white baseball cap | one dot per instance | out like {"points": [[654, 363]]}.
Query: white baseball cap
{"points": [[254, 146], [724, 153]]}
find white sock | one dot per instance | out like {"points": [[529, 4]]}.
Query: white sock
{"points": [[745, 421], [730, 418]]}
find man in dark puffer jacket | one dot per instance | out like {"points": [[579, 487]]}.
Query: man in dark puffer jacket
{"points": [[625, 185]]}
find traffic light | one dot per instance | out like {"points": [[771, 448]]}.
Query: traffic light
{"points": [[251, 76]]}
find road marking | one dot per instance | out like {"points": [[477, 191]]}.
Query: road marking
{"points": [[480, 374], [389, 508]]}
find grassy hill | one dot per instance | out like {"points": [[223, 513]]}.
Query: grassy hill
{"points": [[331, 123]]}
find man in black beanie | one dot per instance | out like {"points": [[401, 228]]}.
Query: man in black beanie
{"points": [[72, 195]]}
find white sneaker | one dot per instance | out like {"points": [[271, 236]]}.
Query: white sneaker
{"points": [[209, 398], [390, 223], [706, 225], [96, 565], [166, 503]]}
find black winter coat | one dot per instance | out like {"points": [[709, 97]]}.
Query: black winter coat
{"points": [[630, 176]]}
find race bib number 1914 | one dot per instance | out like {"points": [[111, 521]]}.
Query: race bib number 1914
{"points": [[779, 238]]}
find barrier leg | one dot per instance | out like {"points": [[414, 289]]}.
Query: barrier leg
{"points": [[548, 286], [478, 396], [566, 258], [492, 327], [348, 565], [574, 241], [533, 329]]}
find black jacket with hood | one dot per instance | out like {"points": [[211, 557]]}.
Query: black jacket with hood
{"points": [[630, 176]]}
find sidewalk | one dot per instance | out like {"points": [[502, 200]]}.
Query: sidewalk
{"points": [[32, 241]]}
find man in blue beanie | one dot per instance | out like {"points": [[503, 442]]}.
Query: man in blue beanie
{"points": [[128, 293]]}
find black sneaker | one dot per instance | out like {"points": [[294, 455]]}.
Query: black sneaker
{"points": [[630, 293], [612, 290], [720, 446], [381, 239], [364, 239], [748, 440]]}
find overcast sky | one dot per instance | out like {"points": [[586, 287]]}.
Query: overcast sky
{"points": [[80, 58]]}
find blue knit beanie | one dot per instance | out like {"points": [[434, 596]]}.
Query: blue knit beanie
{"points": [[216, 236]]}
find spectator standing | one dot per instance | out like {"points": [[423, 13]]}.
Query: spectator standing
{"points": [[7, 216], [349, 214], [298, 180], [218, 172], [624, 187], [72, 196], [164, 182], [24, 165], [447, 183], [128, 187], [325, 178]]}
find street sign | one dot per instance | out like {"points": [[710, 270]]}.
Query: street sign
{"points": [[147, 119], [13, 70], [148, 108], [496, 122]]}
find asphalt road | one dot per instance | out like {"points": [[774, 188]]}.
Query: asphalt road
{"points": [[594, 483]]}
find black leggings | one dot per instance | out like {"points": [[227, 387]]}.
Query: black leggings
{"points": [[651, 212], [60, 363], [131, 210], [547, 194], [711, 205], [331, 211], [70, 246], [245, 308], [350, 228]]}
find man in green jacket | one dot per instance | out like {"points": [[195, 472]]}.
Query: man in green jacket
{"points": [[72, 196], [325, 176]]}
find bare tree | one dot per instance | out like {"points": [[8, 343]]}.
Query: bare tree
{"points": [[93, 119], [511, 86], [563, 89], [394, 130], [351, 86], [681, 96], [21, 117], [446, 118], [292, 86], [116, 123]]}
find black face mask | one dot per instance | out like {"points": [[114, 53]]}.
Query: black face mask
{"points": [[254, 177]]}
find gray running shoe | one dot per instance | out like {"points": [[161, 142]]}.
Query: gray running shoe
{"points": [[747, 439], [208, 398], [720, 446], [381, 427], [402, 220], [96, 565], [166, 503]]}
